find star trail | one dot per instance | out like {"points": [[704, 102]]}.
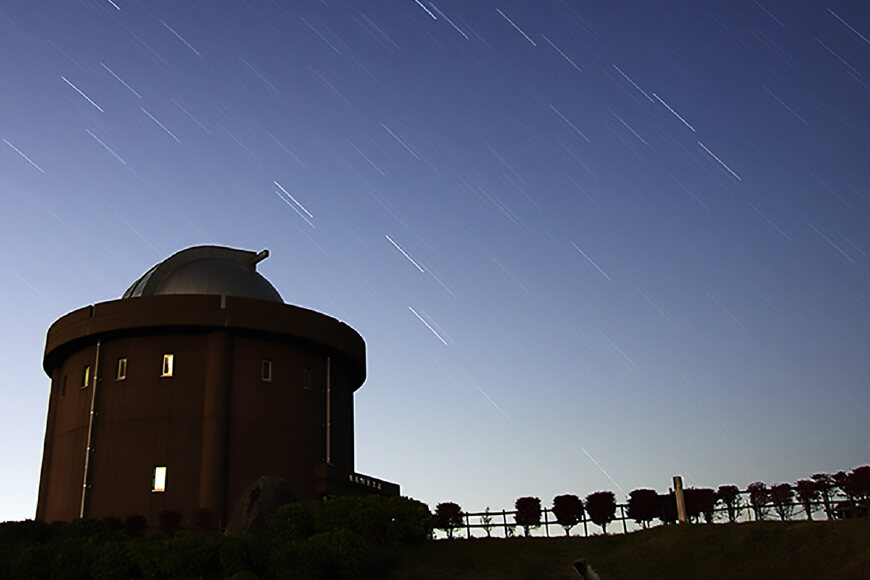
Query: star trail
{"points": [[585, 243]]}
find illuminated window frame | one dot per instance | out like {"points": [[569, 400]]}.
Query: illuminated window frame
{"points": [[86, 376], [158, 479], [168, 367], [121, 371], [266, 370]]}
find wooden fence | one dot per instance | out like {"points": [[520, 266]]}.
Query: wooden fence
{"points": [[502, 523]]}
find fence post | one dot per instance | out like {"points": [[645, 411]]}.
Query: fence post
{"points": [[585, 529], [467, 526], [546, 522], [622, 512], [504, 519]]}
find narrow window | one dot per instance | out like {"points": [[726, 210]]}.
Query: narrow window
{"points": [[266, 370], [86, 376], [158, 482], [168, 360], [63, 387], [306, 379], [121, 373]]}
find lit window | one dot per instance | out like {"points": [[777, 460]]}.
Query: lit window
{"points": [[306, 378], [158, 483], [168, 359], [121, 373], [266, 370], [86, 376]]}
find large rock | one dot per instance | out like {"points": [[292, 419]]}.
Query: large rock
{"points": [[258, 503]]}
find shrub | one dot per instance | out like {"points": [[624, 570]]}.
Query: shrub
{"points": [[135, 525], [528, 513], [568, 509], [730, 496], [448, 516], [114, 561], [601, 507], [699, 500], [759, 496], [378, 519], [292, 522], [486, 522], [85, 529], [169, 521], [30, 561], [643, 506], [807, 492], [337, 554], [114, 523], [190, 556], [781, 496], [246, 552]]}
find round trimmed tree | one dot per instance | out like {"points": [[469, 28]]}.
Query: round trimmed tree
{"points": [[601, 507], [568, 510]]}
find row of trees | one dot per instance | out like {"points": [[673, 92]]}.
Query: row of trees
{"points": [[645, 505]]}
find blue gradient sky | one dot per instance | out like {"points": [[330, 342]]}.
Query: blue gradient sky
{"points": [[637, 231]]}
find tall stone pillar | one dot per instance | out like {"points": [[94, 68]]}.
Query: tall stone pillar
{"points": [[215, 425]]}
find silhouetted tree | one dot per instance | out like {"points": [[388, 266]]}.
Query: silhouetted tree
{"points": [[486, 522], [448, 516], [568, 510], [693, 507], [601, 507], [668, 508], [859, 483], [841, 480], [528, 513], [782, 497], [729, 495], [807, 492], [643, 506], [759, 495], [699, 500], [825, 484], [706, 499]]}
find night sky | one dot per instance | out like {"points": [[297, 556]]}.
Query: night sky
{"points": [[590, 245]]}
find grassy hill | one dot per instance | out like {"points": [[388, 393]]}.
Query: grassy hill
{"points": [[349, 539], [789, 550]]}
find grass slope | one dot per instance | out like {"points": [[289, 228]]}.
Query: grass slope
{"points": [[789, 550]]}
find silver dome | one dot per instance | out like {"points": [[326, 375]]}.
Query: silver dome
{"points": [[207, 270]]}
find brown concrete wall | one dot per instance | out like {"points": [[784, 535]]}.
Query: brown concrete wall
{"points": [[214, 424]]}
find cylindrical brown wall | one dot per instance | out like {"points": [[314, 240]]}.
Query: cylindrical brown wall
{"points": [[216, 425]]}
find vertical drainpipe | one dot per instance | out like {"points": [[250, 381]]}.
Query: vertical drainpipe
{"points": [[329, 410], [89, 448]]}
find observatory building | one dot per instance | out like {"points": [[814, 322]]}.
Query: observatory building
{"points": [[193, 385]]}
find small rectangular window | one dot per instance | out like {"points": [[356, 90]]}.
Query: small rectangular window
{"points": [[121, 373], [266, 370], [168, 360], [86, 376], [306, 379], [158, 482]]}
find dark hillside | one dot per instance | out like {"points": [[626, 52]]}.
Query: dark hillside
{"points": [[792, 550]]}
